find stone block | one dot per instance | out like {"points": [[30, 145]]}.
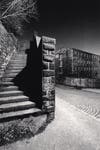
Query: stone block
{"points": [[48, 40], [50, 109], [51, 66], [48, 73], [51, 93], [45, 51], [48, 58], [48, 83], [53, 53], [50, 117], [45, 65], [46, 103], [49, 47], [44, 92], [52, 103], [48, 98]]}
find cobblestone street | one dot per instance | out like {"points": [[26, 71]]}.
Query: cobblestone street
{"points": [[87, 100]]}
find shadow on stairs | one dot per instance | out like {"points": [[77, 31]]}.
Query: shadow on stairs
{"points": [[17, 98]]}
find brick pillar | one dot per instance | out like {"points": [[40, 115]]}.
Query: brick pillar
{"points": [[48, 76]]}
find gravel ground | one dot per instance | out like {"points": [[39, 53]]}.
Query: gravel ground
{"points": [[22, 128]]}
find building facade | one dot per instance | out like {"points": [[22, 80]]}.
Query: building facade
{"points": [[77, 64]]}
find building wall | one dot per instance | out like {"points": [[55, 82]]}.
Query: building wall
{"points": [[79, 64], [82, 64]]}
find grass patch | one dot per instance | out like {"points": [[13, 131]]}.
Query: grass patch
{"points": [[22, 128]]}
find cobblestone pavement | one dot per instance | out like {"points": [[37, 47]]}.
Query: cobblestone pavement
{"points": [[86, 100]]}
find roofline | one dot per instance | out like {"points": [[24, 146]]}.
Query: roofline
{"points": [[59, 51]]}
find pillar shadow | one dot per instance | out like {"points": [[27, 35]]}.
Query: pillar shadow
{"points": [[29, 80]]}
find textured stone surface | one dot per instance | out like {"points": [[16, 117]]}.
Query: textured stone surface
{"points": [[45, 65], [7, 47], [48, 75], [48, 58], [47, 46], [51, 66], [48, 40]]}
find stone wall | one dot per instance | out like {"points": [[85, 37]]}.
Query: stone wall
{"points": [[7, 47], [48, 75]]}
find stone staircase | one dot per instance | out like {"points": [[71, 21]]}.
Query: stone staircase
{"points": [[13, 102]]}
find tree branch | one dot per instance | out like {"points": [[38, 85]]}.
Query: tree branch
{"points": [[19, 10]]}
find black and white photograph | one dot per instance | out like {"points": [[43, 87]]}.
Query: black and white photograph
{"points": [[49, 75]]}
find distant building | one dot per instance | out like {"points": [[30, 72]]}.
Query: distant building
{"points": [[77, 64]]}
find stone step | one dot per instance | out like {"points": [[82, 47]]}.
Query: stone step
{"points": [[7, 79], [19, 58], [13, 99], [15, 67], [9, 88], [9, 75], [22, 113], [19, 55], [4, 83], [10, 93], [16, 106], [17, 62], [13, 71]]}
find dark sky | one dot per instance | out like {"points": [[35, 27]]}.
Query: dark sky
{"points": [[73, 23]]}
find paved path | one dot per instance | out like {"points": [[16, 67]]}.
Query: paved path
{"points": [[86, 101], [72, 129], [92, 90]]}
